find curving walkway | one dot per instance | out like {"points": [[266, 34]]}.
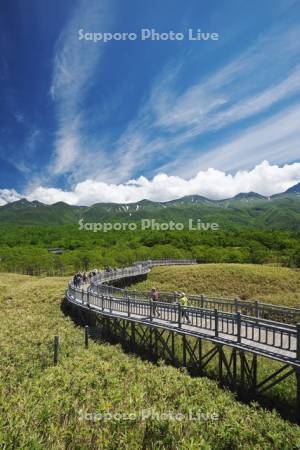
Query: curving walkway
{"points": [[259, 336]]}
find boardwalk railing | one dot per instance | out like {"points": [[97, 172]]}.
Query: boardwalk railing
{"points": [[117, 274], [265, 337], [166, 262], [236, 338], [232, 305]]}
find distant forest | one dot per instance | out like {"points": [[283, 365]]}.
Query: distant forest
{"points": [[25, 249]]}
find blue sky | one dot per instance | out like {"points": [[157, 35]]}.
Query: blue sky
{"points": [[119, 121]]}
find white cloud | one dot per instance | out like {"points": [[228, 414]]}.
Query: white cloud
{"points": [[275, 139], [74, 69], [227, 97], [171, 119], [67, 147], [252, 105], [52, 195], [168, 122], [264, 179], [8, 196]]}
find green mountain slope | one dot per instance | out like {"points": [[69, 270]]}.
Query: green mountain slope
{"points": [[244, 210]]}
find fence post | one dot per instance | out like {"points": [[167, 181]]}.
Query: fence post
{"points": [[202, 301], [184, 352], [110, 308], [216, 323], [179, 315], [238, 323], [256, 306], [236, 305], [56, 350], [132, 335], [88, 299], [102, 302], [86, 336], [151, 310], [128, 306]]}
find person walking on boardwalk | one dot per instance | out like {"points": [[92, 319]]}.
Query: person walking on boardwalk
{"points": [[183, 300], [155, 298], [75, 280]]}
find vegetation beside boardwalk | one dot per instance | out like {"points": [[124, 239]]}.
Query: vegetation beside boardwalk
{"points": [[277, 285], [40, 404]]}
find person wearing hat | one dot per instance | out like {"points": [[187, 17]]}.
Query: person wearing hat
{"points": [[155, 298], [183, 300]]}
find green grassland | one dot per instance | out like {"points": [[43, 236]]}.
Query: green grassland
{"points": [[278, 285], [40, 404]]}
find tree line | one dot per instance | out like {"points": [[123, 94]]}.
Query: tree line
{"points": [[25, 249]]}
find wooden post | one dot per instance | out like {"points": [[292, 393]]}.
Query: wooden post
{"points": [[254, 373], [184, 362], [151, 311], [86, 336], [200, 354], [56, 350], [216, 323], [256, 306], [179, 315], [151, 341], [238, 324], [242, 365], [173, 347], [236, 306], [88, 299], [132, 336], [110, 308], [123, 331], [128, 307], [234, 367], [220, 364], [107, 326], [202, 301]]}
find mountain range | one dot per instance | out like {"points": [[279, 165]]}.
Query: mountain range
{"points": [[280, 211]]}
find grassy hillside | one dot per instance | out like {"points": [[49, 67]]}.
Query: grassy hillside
{"points": [[272, 284], [40, 404]]}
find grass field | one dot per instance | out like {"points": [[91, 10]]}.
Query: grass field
{"points": [[40, 405], [278, 285]]}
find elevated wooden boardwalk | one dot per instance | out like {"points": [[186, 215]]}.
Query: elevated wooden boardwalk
{"points": [[242, 335]]}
